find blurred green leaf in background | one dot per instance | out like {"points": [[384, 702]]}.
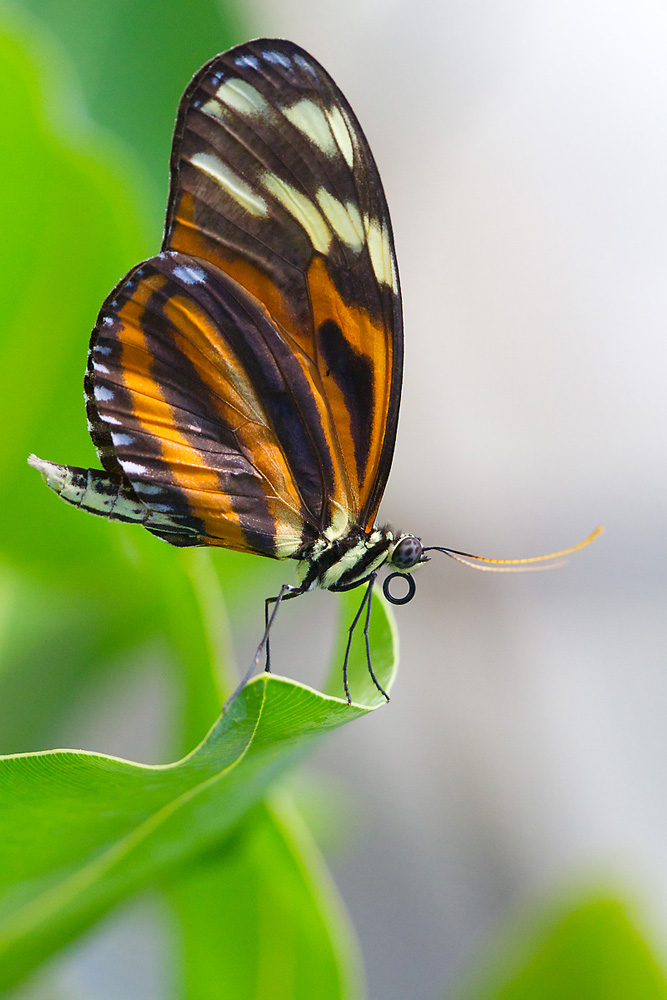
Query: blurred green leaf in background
{"points": [[586, 948], [133, 61]]}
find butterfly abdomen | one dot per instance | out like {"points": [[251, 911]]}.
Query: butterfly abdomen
{"points": [[92, 490], [111, 496]]}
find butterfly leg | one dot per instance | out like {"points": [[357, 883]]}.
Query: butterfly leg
{"points": [[366, 603], [285, 593], [367, 625]]}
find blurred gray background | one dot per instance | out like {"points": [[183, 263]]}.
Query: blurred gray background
{"points": [[523, 149]]}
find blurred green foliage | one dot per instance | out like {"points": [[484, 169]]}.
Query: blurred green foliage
{"points": [[217, 892], [588, 948], [133, 61]]}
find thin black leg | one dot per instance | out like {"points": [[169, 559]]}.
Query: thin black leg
{"points": [[286, 591], [267, 663], [367, 625], [366, 600]]}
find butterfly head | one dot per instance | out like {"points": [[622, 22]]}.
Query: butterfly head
{"points": [[406, 553]]}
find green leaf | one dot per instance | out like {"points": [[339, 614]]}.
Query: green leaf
{"points": [[81, 830], [134, 61], [590, 951], [263, 918]]}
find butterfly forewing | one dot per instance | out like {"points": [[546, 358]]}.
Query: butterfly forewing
{"points": [[273, 182]]}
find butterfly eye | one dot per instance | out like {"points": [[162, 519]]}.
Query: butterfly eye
{"points": [[407, 553]]}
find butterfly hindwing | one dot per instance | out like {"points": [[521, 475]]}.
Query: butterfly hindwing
{"points": [[209, 412], [273, 182]]}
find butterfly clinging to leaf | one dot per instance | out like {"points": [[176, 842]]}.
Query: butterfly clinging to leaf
{"points": [[243, 385]]}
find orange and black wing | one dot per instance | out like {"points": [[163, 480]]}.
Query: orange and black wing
{"points": [[273, 182], [196, 398], [246, 381]]}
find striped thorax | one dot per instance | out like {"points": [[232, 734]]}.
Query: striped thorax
{"points": [[345, 562]]}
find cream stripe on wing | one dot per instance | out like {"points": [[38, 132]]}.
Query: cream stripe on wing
{"points": [[302, 209], [380, 252], [231, 183], [345, 219], [312, 122], [243, 98], [342, 134]]}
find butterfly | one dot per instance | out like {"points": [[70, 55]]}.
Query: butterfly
{"points": [[243, 385]]}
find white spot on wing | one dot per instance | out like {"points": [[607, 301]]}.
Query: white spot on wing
{"points": [[231, 183], [302, 209], [100, 368], [132, 469], [102, 394], [121, 439], [148, 488], [279, 58], [243, 98], [110, 420], [304, 64], [312, 122], [247, 61], [100, 349], [345, 219], [108, 320], [188, 274]]}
